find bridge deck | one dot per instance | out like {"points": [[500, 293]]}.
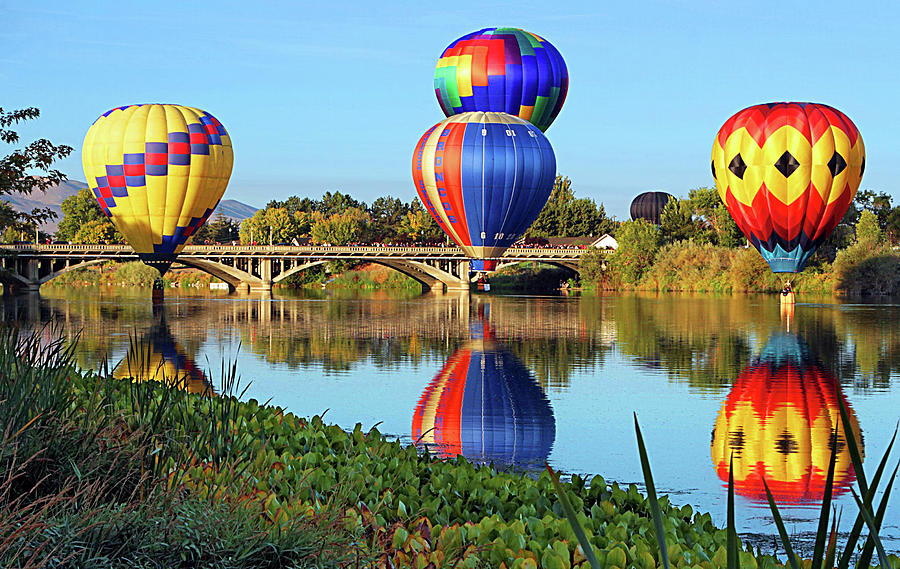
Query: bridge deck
{"points": [[359, 252]]}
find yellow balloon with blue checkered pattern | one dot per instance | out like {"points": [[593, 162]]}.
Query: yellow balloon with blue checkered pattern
{"points": [[158, 171]]}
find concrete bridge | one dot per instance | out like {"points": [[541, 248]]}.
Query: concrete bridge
{"points": [[257, 268]]}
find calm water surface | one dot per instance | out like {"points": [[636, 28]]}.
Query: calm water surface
{"points": [[523, 380]]}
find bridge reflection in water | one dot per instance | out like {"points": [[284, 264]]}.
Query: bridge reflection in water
{"points": [[485, 405], [779, 423], [257, 268]]}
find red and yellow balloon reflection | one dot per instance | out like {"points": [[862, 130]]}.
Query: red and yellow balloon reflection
{"points": [[779, 422]]}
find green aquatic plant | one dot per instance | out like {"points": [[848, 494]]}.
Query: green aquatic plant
{"points": [[825, 547]]}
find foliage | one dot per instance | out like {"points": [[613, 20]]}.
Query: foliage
{"points": [[27, 169], [863, 269], [565, 216], [676, 223], [258, 474], [80, 210], [377, 278], [592, 267], [343, 228], [97, 231], [868, 233], [86, 484], [529, 276], [418, 226], [690, 266], [136, 274], [639, 241], [219, 230]]}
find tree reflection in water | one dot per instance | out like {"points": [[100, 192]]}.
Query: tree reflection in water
{"points": [[485, 405], [779, 423]]}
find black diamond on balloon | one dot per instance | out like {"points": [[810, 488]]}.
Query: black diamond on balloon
{"points": [[786, 444], [862, 167], [787, 164], [737, 166], [713, 166], [836, 164]]}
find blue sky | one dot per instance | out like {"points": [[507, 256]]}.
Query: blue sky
{"points": [[334, 95]]}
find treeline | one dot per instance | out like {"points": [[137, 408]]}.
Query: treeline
{"points": [[338, 219], [698, 247]]}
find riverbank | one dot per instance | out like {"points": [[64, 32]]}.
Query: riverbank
{"points": [[861, 269], [156, 472]]}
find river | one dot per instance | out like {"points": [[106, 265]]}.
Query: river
{"points": [[523, 380]]}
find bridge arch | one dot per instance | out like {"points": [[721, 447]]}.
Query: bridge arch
{"points": [[81, 265]]}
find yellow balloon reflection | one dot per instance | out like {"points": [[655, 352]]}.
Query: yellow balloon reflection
{"points": [[158, 357], [485, 405], [779, 423]]}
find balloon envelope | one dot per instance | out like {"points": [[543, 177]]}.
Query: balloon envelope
{"points": [[502, 70], [787, 173], [650, 206], [484, 177], [485, 405], [158, 357], [777, 423], [158, 172]]}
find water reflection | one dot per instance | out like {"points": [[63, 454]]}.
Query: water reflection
{"points": [[779, 423], [485, 405], [156, 356]]}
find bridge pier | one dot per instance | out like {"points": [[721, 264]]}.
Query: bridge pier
{"points": [[461, 283]]}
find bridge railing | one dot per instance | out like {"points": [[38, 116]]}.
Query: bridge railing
{"points": [[450, 252]]}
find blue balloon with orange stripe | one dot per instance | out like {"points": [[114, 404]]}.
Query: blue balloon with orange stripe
{"points": [[484, 177], [158, 172], [485, 405]]}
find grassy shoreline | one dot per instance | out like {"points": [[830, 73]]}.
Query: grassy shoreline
{"points": [[116, 473]]}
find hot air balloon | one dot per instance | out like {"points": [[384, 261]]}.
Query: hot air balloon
{"points": [[778, 422], [158, 357], [787, 173], [502, 70], [485, 405], [650, 206], [484, 177], [158, 172]]}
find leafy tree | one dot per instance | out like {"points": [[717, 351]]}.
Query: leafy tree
{"points": [[676, 223], [342, 228], [892, 226], [387, 215], [78, 210], [332, 203], [271, 225], [565, 216], [714, 216], [418, 225], [868, 233], [95, 232], [29, 168], [295, 204], [877, 203], [219, 230], [639, 241]]}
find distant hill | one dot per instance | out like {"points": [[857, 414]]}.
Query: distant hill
{"points": [[53, 197]]}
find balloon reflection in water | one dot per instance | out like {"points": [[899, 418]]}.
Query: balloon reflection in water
{"points": [[158, 357], [779, 421], [485, 405]]}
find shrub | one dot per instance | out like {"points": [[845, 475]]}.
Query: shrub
{"points": [[862, 269], [690, 266], [638, 244], [136, 273]]}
